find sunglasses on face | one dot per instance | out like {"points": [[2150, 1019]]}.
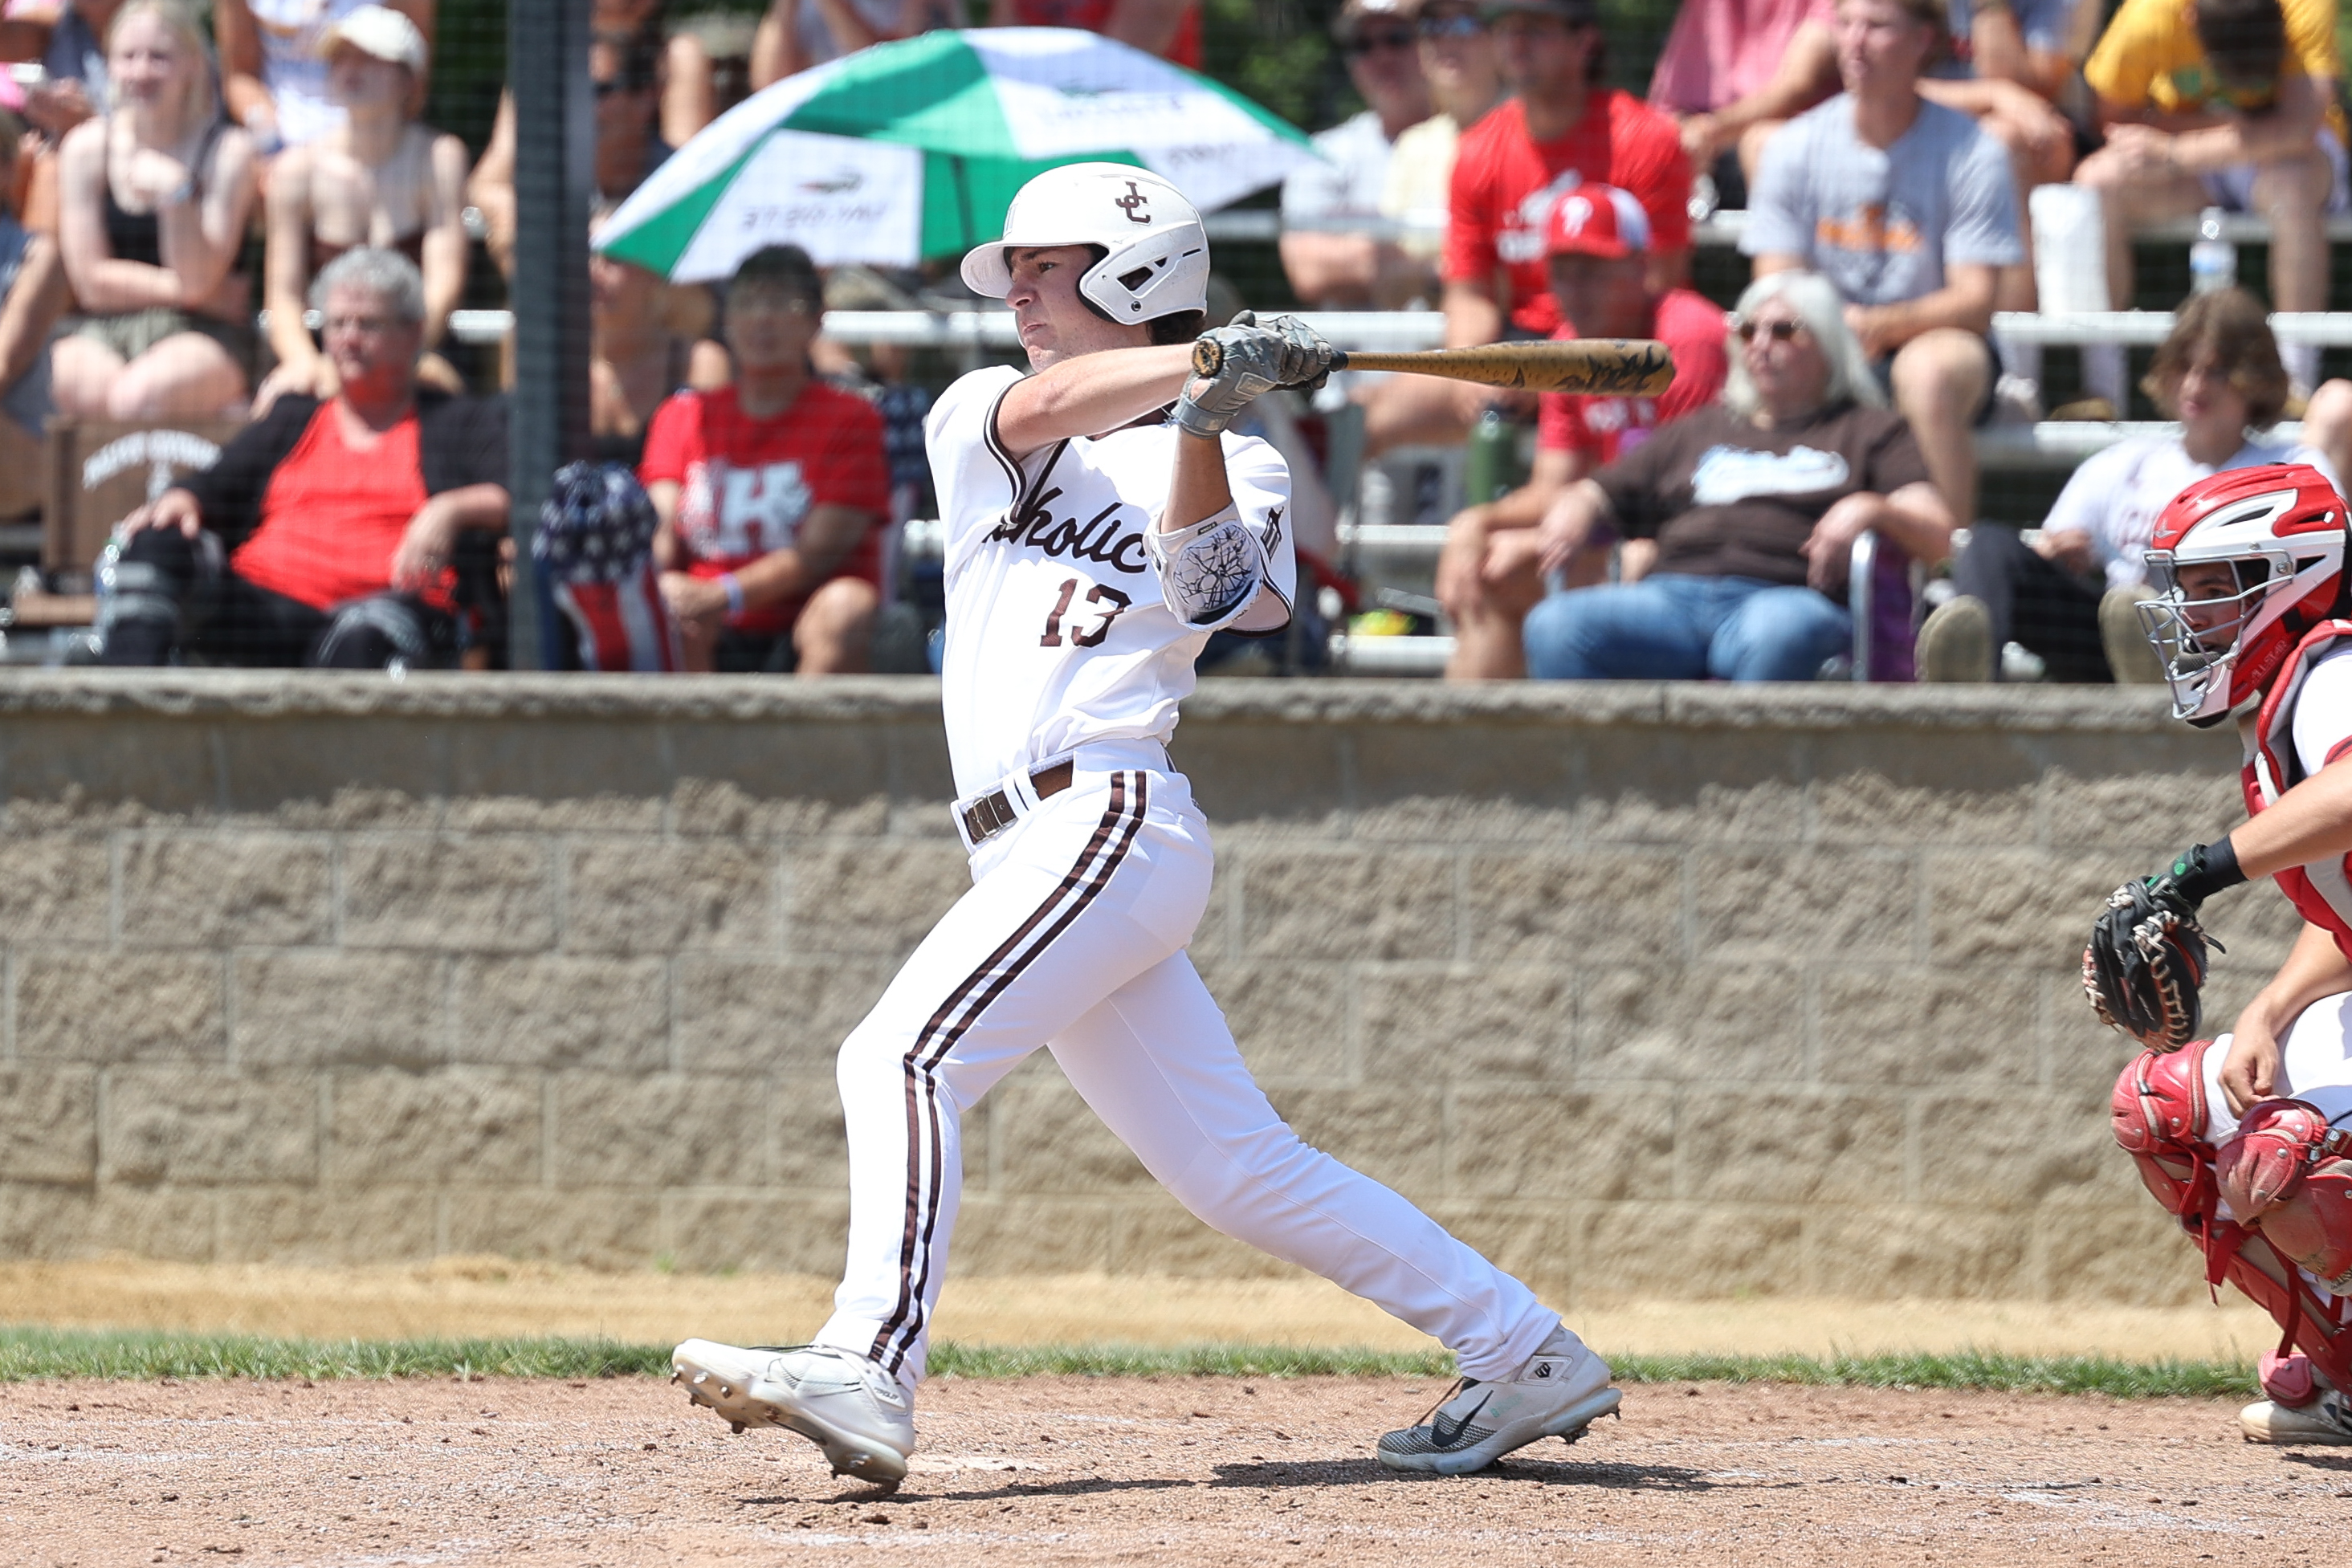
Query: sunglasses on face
{"points": [[1459, 25], [1779, 331], [1364, 44]]}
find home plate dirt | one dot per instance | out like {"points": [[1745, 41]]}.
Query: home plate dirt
{"points": [[1159, 1470]]}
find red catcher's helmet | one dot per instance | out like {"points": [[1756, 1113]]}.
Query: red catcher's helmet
{"points": [[2280, 530]]}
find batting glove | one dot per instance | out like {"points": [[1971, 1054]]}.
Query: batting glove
{"points": [[1251, 359], [1306, 356]]}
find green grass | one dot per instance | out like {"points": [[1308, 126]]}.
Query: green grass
{"points": [[29, 1352]]}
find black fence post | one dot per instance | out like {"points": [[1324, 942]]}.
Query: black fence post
{"points": [[555, 146]]}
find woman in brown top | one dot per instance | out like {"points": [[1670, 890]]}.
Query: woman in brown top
{"points": [[152, 208], [1755, 504], [380, 179]]}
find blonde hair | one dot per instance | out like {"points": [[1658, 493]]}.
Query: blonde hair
{"points": [[1821, 308], [200, 103]]}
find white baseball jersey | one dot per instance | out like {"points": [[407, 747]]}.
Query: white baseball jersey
{"points": [[1057, 635], [1073, 936]]}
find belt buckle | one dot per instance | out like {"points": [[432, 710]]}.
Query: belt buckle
{"points": [[987, 816]]}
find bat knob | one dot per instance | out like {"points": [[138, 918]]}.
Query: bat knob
{"points": [[1208, 356]]}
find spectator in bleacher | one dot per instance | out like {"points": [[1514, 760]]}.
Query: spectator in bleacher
{"points": [[33, 294], [1487, 577], [1331, 266], [1910, 209], [2228, 103], [274, 64], [379, 178], [648, 341], [642, 116], [794, 35], [329, 533], [2005, 62], [689, 90], [1755, 503], [1735, 71], [68, 39], [154, 198], [1170, 29], [1458, 60], [1565, 128], [2068, 595], [770, 491]]}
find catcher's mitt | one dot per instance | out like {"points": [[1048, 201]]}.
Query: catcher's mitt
{"points": [[2146, 963]]}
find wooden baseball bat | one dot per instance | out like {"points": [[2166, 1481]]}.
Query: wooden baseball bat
{"points": [[1630, 367]]}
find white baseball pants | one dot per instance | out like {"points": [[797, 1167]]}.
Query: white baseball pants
{"points": [[2315, 1065], [1073, 938]]}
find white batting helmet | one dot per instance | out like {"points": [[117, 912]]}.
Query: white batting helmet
{"points": [[1158, 254]]}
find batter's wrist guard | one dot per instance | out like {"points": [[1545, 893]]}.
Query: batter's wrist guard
{"points": [[1210, 571]]}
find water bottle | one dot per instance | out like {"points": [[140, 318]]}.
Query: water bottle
{"points": [[1704, 199], [1488, 466], [2213, 260]]}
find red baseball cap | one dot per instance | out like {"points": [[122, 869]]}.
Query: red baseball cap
{"points": [[1597, 220]]}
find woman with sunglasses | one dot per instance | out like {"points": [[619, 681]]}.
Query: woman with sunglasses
{"points": [[1332, 251], [1755, 504]]}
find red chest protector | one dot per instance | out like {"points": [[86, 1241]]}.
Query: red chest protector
{"points": [[2272, 768]]}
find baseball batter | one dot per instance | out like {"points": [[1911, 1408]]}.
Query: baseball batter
{"points": [[1094, 541], [2238, 1135]]}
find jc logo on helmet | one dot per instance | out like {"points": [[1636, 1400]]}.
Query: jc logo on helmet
{"points": [[1133, 203]]}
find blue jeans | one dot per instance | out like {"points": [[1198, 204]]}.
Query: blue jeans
{"points": [[1674, 627]]}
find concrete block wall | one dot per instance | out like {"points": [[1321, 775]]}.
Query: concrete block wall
{"points": [[1649, 991]]}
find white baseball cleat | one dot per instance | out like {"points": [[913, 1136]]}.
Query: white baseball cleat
{"points": [[2327, 1419], [1559, 1393], [858, 1414]]}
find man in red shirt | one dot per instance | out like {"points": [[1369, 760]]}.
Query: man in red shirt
{"points": [[768, 491], [340, 520], [1561, 128], [1598, 238]]}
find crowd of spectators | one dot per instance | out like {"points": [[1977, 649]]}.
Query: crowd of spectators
{"points": [[1880, 152]]}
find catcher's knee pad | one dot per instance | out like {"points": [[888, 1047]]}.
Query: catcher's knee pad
{"points": [[2158, 1113], [2286, 1174]]}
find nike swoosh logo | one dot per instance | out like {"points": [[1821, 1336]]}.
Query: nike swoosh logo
{"points": [[1447, 1439]]}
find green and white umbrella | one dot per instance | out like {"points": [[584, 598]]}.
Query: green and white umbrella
{"points": [[912, 149]]}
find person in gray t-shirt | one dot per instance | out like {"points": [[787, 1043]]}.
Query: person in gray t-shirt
{"points": [[1332, 264], [1911, 210], [1885, 224]]}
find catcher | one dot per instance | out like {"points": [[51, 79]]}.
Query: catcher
{"points": [[2238, 1135]]}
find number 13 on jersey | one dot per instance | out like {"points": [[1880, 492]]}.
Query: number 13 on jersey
{"points": [[1101, 594]]}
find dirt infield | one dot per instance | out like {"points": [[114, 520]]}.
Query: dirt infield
{"points": [[1076, 1470]]}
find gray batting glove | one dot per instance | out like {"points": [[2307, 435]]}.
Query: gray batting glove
{"points": [[1306, 356], [1253, 360]]}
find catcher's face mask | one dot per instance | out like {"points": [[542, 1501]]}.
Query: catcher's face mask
{"points": [[2195, 620]]}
